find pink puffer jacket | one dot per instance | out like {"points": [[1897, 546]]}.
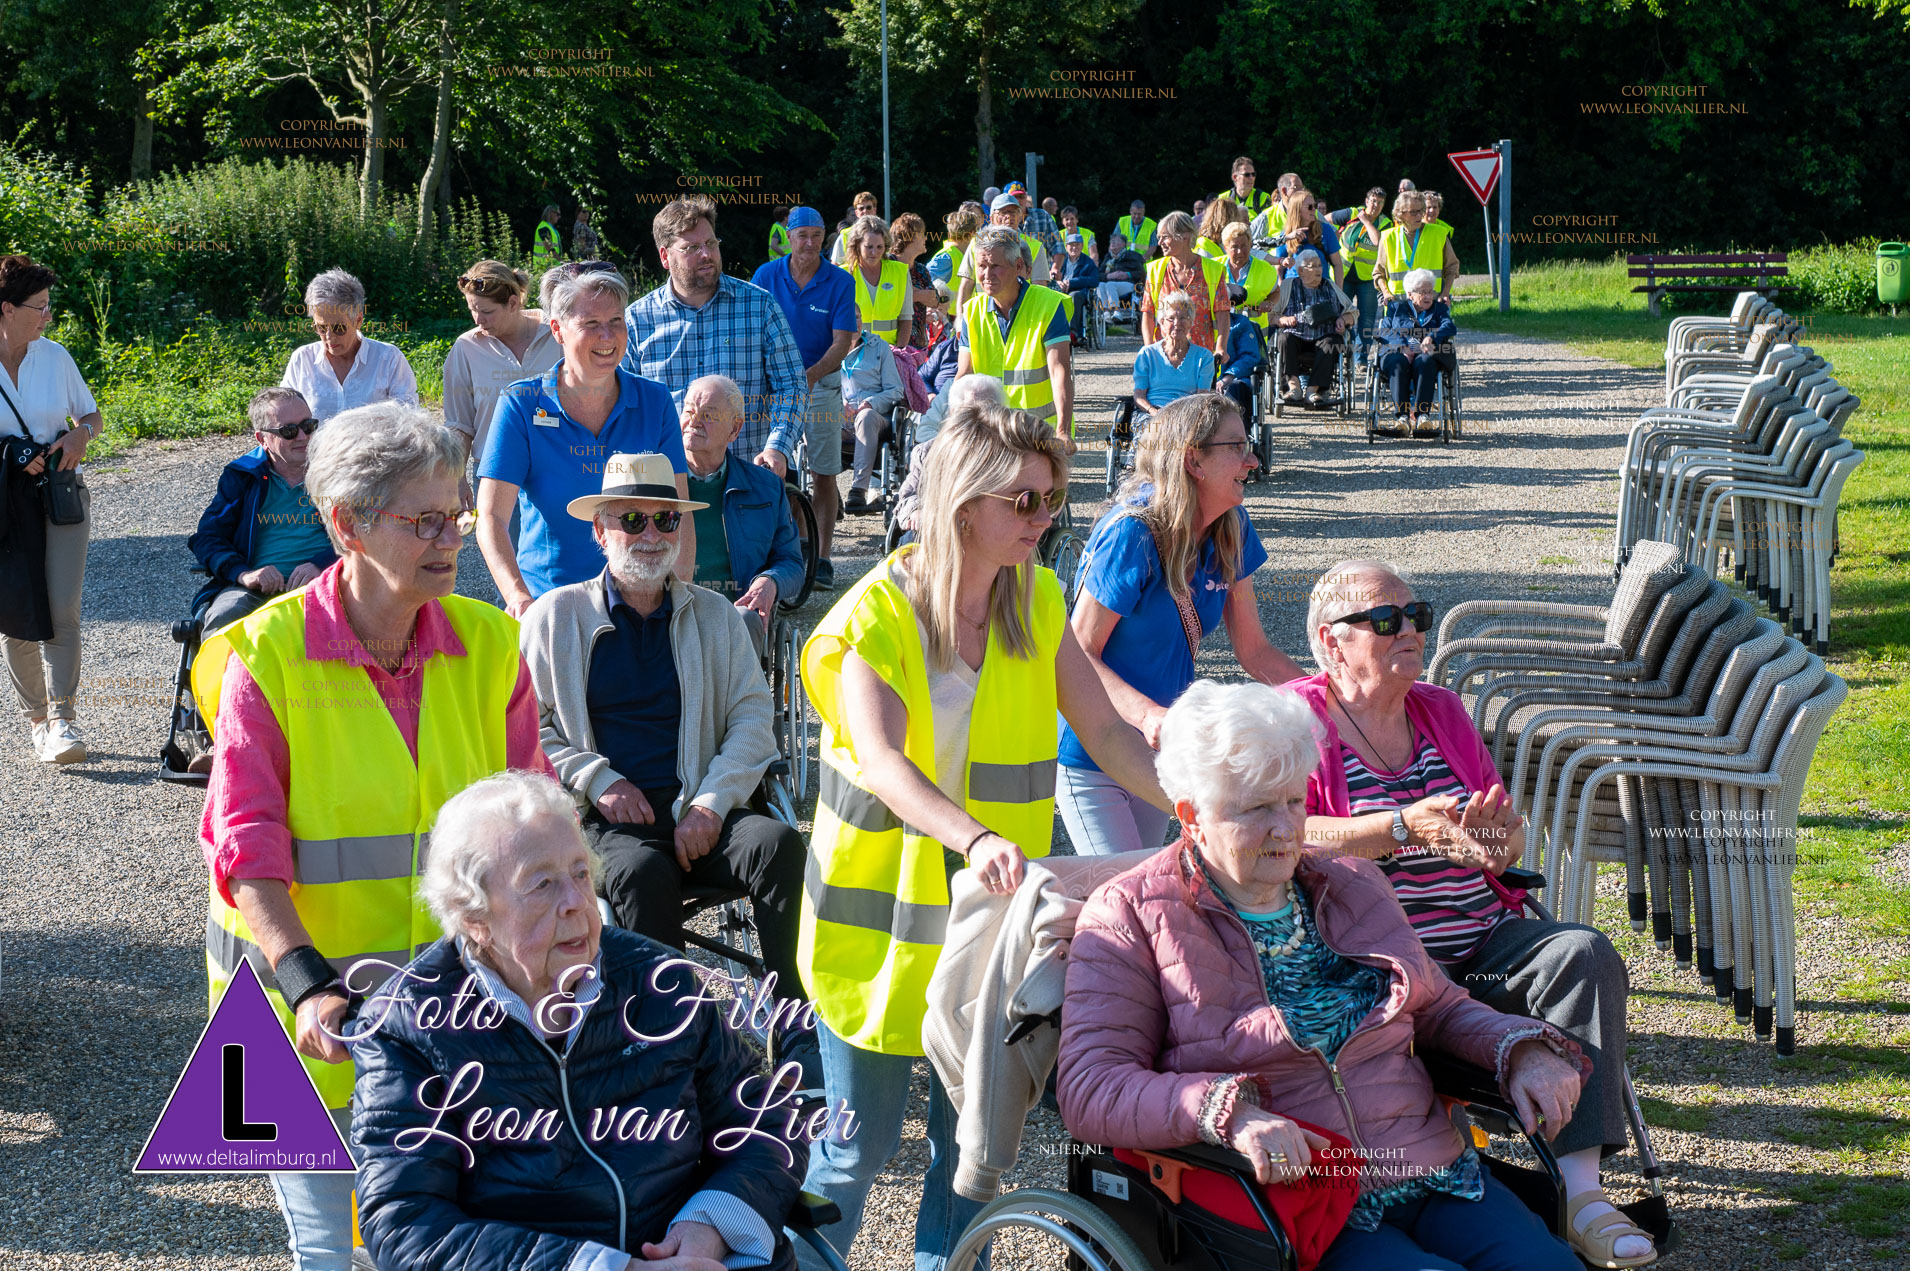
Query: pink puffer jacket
{"points": [[1165, 999]]}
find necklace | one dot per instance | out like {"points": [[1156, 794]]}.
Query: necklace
{"points": [[1298, 937], [1348, 712]]}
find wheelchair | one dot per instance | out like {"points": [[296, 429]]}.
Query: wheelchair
{"points": [[1096, 325], [1340, 397], [782, 667], [803, 512], [188, 741], [1199, 1208], [1123, 430], [892, 463], [1446, 397]]}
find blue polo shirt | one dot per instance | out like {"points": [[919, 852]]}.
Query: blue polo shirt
{"points": [[1148, 647], [815, 312], [552, 459]]}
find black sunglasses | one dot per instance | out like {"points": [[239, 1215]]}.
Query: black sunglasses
{"points": [[633, 522], [1385, 619], [289, 431], [1026, 501]]}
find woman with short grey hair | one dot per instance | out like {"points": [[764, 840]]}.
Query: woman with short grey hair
{"points": [[549, 993], [344, 368], [553, 434], [343, 714]]}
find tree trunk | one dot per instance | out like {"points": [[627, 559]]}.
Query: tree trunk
{"points": [[142, 134], [434, 170], [371, 182], [984, 123]]}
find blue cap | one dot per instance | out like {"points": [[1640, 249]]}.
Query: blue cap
{"points": [[1004, 201], [805, 218]]}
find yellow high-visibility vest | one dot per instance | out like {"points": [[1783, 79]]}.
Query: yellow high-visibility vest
{"points": [[875, 895], [1361, 252], [546, 248], [1213, 271], [1403, 253], [357, 806], [1205, 246], [1140, 240], [778, 240], [1021, 360], [1256, 202], [1262, 280], [879, 309]]}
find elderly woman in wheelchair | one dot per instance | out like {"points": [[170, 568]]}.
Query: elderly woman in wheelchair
{"points": [[1407, 781], [1234, 991]]}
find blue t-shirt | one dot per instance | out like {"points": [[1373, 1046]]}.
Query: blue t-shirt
{"points": [[1160, 381], [286, 531], [552, 459], [1329, 247], [815, 312], [1148, 647]]}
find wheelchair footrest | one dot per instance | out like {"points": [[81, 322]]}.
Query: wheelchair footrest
{"points": [[814, 1211]]}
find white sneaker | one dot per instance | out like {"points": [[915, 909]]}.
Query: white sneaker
{"points": [[61, 742], [39, 739]]}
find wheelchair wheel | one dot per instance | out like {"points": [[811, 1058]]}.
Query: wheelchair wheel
{"points": [[1097, 324], [1114, 449], [1347, 380], [1372, 401], [1450, 394], [1092, 1240], [1061, 551], [1276, 402], [186, 737], [791, 705], [804, 514]]}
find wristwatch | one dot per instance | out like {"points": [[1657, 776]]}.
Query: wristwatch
{"points": [[1399, 828]]}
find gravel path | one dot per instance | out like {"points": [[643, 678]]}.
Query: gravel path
{"points": [[102, 889]]}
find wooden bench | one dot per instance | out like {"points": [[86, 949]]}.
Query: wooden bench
{"points": [[1742, 271]]}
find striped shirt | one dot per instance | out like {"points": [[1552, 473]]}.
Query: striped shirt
{"points": [[1449, 904]]}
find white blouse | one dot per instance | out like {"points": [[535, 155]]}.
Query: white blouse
{"points": [[48, 393], [480, 367], [378, 373]]}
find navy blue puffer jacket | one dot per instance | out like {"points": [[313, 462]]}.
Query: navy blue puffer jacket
{"points": [[528, 1205]]}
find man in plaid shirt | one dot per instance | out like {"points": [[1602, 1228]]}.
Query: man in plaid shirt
{"points": [[703, 322]]}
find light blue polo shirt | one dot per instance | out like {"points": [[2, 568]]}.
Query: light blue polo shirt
{"points": [[552, 459]]}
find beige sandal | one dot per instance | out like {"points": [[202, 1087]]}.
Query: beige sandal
{"points": [[1595, 1244]]}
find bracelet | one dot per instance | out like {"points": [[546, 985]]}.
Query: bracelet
{"points": [[971, 843], [303, 972]]}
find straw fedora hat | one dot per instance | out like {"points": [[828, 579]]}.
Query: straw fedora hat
{"points": [[634, 477]]}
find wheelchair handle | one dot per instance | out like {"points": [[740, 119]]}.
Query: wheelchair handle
{"points": [[1524, 879]]}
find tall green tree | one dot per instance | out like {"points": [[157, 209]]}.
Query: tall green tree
{"points": [[989, 45]]}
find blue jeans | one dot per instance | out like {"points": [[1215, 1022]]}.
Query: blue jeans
{"points": [[317, 1210], [1415, 380], [876, 1088], [1367, 296], [1444, 1233], [1102, 818]]}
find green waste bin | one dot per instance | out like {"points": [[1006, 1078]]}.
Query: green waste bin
{"points": [[1892, 288]]}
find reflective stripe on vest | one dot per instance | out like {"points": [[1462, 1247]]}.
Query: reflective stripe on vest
{"points": [[1021, 361], [881, 310], [358, 807], [225, 948], [875, 892]]}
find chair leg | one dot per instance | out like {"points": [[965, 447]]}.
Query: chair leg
{"points": [[1689, 807]]}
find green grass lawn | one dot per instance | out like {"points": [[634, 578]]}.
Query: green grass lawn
{"points": [[1857, 805]]}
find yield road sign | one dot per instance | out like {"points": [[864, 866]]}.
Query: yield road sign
{"points": [[1479, 169]]}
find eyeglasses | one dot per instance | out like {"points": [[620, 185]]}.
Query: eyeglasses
{"points": [[1386, 619], [430, 525], [45, 308], [709, 248], [289, 431], [485, 287], [1027, 500], [632, 523]]}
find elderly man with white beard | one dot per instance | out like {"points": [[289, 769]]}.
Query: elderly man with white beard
{"points": [[657, 719]]}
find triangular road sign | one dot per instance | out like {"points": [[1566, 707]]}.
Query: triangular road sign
{"points": [[244, 1104], [1479, 169]]}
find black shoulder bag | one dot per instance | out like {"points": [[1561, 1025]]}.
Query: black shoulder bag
{"points": [[60, 488]]}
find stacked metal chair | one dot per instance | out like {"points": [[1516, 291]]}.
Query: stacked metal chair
{"points": [[1671, 730], [1746, 454]]}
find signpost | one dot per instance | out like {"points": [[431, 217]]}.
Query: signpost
{"points": [[1479, 169]]}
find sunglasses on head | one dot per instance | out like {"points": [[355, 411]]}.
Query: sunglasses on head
{"points": [[632, 523], [1386, 619], [1027, 500], [289, 431]]}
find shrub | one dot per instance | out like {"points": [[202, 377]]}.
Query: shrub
{"points": [[1837, 278]]}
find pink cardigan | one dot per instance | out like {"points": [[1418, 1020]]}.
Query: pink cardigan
{"points": [[1437, 712], [1165, 998]]}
